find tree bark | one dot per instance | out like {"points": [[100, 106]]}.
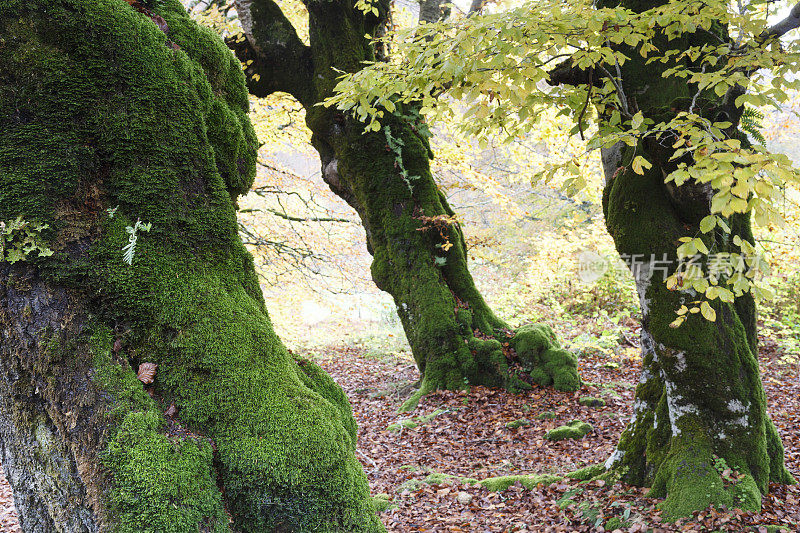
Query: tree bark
{"points": [[113, 114], [699, 407], [418, 248], [700, 433]]}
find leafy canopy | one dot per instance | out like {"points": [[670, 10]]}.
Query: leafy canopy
{"points": [[492, 73]]}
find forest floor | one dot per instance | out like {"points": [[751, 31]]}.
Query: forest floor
{"points": [[459, 435], [8, 513], [469, 438]]}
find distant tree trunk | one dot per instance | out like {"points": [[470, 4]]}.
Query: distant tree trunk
{"points": [[700, 407], [433, 10], [419, 254], [111, 116]]}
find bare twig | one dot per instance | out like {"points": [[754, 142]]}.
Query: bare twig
{"points": [[623, 100], [586, 104], [308, 219], [697, 94]]}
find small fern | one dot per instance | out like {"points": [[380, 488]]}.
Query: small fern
{"points": [[751, 124], [395, 144], [130, 249]]}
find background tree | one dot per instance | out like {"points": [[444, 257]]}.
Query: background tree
{"points": [[668, 81], [125, 143], [418, 248], [687, 423]]}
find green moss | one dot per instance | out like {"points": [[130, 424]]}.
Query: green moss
{"points": [[615, 523], [418, 257], [692, 477], [514, 424], [383, 502], [574, 430], [540, 354], [411, 423], [434, 478], [411, 403], [120, 118], [402, 424], [684, 416], [437, 478], [586, 473], [590, 401], [410, 485], [546, 415], [528, 481], [173, 475]]}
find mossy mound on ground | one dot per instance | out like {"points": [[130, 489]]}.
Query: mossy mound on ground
{"points": [[411, 423], [434, 478], [410, 485], [591, 401], [587, 472], [383, 502], [438, 478], [615, 522], [528, 481], [574, 430], [514, 424], [543, 358]]}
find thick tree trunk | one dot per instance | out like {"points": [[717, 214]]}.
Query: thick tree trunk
{"points": [[112, 115], [418, 248], [700, 434], [700, 407]]}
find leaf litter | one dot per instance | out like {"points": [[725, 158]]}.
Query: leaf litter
{"points": [[428, 473]]}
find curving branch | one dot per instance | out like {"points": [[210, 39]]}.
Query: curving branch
{"points": [[772, 33], [275, 57], [476, 7], [565, 73], [783, 27]]}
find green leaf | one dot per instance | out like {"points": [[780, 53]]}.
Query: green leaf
{"points": [[708, 312], [640, 163], [708, 223], [637, 120]]}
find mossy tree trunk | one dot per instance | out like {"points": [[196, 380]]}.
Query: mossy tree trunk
{"points": [[419, 253], [700, 433], [112, 115], [700, 407]]}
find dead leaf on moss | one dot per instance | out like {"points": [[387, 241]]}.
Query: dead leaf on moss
{"points": [[147, 373]]}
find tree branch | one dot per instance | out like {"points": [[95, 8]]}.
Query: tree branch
{"points": [[476, 7], [783, 27], [432, 11], [279, 59], [775, 31], [565, 73], [309, 219]]}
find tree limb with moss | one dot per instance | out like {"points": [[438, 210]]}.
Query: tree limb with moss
{"points": [[418, 248]]}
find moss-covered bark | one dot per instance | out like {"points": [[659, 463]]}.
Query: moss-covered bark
{"points": [[110, 115], [700, 407], [419, 254], [700, 433]]}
